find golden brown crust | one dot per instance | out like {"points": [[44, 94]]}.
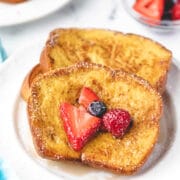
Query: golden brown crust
{"points": [[38, 117], [44, 60], [47, 62], [26, 85], [161, 82]]}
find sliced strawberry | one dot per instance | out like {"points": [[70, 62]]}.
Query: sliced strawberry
{"points": [[152, 9], [143, 3], [87, 96], [79, 125]]}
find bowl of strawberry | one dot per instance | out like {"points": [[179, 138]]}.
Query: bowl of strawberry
{"points": [[162, 14]]}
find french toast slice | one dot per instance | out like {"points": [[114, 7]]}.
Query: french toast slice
{"points": [[129, 52], [117, 89]]}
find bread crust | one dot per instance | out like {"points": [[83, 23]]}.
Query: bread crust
{"points": [[26, 85], [47, 62], [33, 110]]}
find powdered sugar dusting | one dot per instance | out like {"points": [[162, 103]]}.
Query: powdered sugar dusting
{"points": [[166, 135]]}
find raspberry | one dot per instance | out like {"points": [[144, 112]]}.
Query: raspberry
{"points": [[116, 121]]}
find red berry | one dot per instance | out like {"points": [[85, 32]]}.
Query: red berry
{"points": [[116, 121], [176, 12], [87, 96], [79, 125], [151, 9]]}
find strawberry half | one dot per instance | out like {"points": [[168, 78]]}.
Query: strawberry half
{"points": [[152, 9], [79, 125], [87, 96]]}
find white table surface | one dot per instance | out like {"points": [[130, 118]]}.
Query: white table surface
{"points": [[85, 13]]}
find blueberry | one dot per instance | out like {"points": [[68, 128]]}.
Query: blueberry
{"points": [[169, 4], [167, 16], [97, 108], [167, 9]]}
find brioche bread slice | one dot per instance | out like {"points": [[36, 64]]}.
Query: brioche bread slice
{"points": [[129, 52], [117, 89]]}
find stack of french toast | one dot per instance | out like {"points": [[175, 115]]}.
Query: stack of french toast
{"points": [[95, 97]]}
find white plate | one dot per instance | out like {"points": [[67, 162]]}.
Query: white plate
{"points": [[12, 14], [17, 150]]}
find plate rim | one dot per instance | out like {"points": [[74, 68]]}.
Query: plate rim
{"points": [[60, 4]]}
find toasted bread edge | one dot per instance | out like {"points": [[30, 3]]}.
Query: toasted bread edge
{"points": [[26, 85]]}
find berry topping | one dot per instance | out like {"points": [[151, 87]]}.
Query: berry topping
{"points": [[169, 4], [79, 125], [158, 9], [97, 108], [176, 11], [170, 12], [151, 9], [167, 15], [116, 121], [87, 96]]}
